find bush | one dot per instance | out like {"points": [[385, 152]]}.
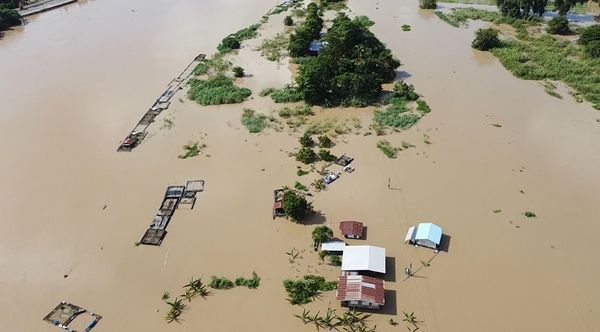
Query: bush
{"points": [[288, 20], [255, 123], [428, 4], [306, 156], [589, 34], [302, 291], [325, 155], [220, 283], [309, 30], [238, 71], [265, 92], [593, 49], [234, 40], [8, 17], [335, 260], [325, 142], [387, 149], [522, 8], [404, 91], [423, 107], [300, 186], [558, 25], [250, 283], [396, 115], [486, 39], [295, 205], [306, 141], [228, 43]]}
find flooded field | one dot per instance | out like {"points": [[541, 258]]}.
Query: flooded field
{"points": [[75, 81]]}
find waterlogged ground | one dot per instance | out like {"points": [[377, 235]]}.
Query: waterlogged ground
{"points": [[73, 86]]}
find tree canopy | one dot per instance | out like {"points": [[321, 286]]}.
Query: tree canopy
{"points": [[350, 68], [522, 8], [8, 15], [307, 32], [295, 205], [321, 234]]}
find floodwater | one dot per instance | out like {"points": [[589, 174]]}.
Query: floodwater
{"points": [[73, 85]]}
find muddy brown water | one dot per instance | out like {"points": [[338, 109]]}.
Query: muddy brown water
{"points": [[72, 86]]}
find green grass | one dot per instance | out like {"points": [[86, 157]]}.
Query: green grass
{"points": [[546, 58], [297, 111], [459, 16], [474, 2], [275, 49], [423, 107], [287, 94], [397, 115], [254, 122], [192, 149], [387, 149], [217, 90], [550, 88], [300, 186], [216, 64], [265, 92]]}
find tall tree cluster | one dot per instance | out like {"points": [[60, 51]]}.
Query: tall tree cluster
{"points": [[350, 68], [307, 32]]}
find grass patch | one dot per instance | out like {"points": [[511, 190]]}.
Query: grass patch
{"points": [[288, 112], [275, 49], [192, 149], [423, 107], [546, 58], [472, 2], [303, 290], [459, 16], [406, 27], [387, 149], [550, 88], [254, 122], [217, 90], [287, 94], [300, 186], [214, 65], [266, 92], [233, 40], [529, 214], [397, 116]]}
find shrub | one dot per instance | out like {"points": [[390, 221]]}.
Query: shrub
{"points": [[593, 48], [8, 17], [295, 205], [423, 107], [254, 122], [288, 21], [217, 90], [234, 40], [404, 91], [266, 92], [335, 260], [302, 291], [300, 186], [306, 140], [486, 39], [238, 71], [428, 4], [306, 156], [192, 149], [396, 115], [325, 142], [530, 214], [228, 43], [558, 25], [220, 283], [325, 155]]}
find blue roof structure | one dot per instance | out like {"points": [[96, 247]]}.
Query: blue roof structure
{"points": [[429, 231], [315, 46]]}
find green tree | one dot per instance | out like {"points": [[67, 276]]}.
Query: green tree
{"points": [[589, 34], [288, 21], [522, 8], [325, 141], [321, 234], [563, 6], [8, 16], [306, 156], [486, 39], [428, 4], [306, 140], [307, 32], [238, 71], [295, 205]]}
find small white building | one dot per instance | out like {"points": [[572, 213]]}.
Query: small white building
{"points": [[363, 259], [425, 234], [334, 247]]}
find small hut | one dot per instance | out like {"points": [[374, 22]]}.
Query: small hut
{"points": [[425, 234], [351, 229], [334, 247]]}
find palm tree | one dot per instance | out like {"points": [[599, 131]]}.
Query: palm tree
{"points": [[411, 319], [328, 319], [177, 307], [305, 318], [321, 234], [189, 294]]}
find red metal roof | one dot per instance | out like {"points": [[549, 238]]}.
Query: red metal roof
{"points": [[360, 288], [277, 205], [354, 228]]}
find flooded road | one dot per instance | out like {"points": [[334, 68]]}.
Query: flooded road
{"points": [[76, 80]]}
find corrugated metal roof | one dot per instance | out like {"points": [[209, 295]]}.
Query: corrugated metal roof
{"points": [[354, 228], [429, 231], [360, 288], [333, 246], [364, 258]]}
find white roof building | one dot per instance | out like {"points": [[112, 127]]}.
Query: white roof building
{"points": [[425, 234], [333, 246], [364, 258]]}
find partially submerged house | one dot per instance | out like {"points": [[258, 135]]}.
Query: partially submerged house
{"points": [[278, 210], [351, 229], [359, 291], [363, 260], [335, 247], [425, 234]]}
